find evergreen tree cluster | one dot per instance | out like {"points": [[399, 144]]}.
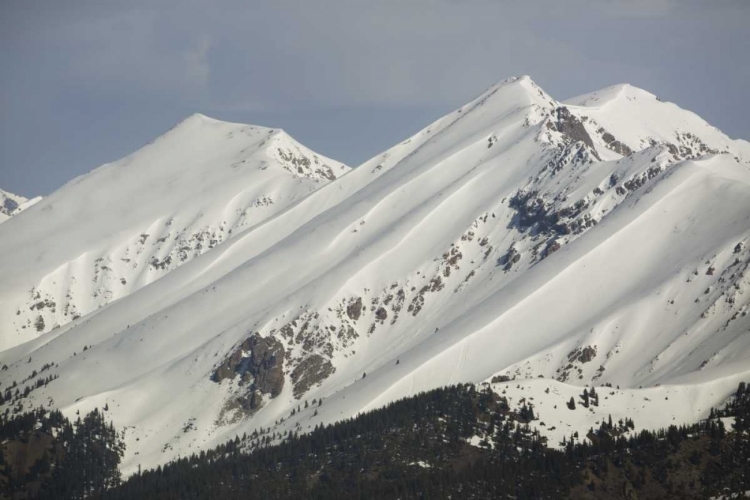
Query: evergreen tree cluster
{"points": [[45, 455]]}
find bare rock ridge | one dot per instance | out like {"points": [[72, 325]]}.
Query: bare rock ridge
{"points": [[570, 126]]}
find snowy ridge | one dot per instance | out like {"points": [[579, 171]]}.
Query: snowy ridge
{"points": [[603, 241], [126, 224]]}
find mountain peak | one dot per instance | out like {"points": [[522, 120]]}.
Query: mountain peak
{"points": [[199, 133], [619, 92], [200, 116], [507, 95], [520, 79], [198, 119], [524, 82], [528, 90]]}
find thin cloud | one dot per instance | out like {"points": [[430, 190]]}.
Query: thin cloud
{"points": [[196, 61]]}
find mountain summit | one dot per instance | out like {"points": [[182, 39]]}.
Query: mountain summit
{"points": [[602, 240], [123, 225]]}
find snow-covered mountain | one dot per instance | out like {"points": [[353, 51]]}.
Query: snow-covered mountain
{"points": [[13, 204], [602, 240], [108, 233]]}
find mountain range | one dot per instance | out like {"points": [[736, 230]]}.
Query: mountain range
{"points": [[225, 278]]}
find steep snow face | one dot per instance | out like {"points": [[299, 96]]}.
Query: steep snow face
{"points": [[515, 237], [108, 233], [13, 204], [624, 115]]}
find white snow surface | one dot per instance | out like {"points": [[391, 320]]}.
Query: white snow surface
{"points": [[623, 260], [112, 231]]}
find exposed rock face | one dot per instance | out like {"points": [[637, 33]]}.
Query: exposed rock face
{"points": [[311, 370], [534, 211], [615, 145], [258, 361], [381, 313], [587, 354], [577, 357], [354, 310], [552, 247], [570, 126], [301, 165], [510, 258], [435, 285], [9, 206]]}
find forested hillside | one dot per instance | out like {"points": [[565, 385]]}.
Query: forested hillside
{"points": [[426, 447], [460, 441], [45, 455]]}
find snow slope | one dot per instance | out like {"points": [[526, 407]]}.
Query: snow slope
{"points": [[13, 204], [600, 241], [108, 233]]}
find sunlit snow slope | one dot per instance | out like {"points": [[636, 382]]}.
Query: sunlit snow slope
{"points": [[110, 232], [603, 240]]}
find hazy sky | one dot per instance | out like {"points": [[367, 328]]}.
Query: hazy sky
{"points": [[85, 83]]}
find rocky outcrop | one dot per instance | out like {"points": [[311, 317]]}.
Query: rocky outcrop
{"points": [[310, 371], [259, 362], [570, 126], [381, 314], [577, 357], [354, 309], [535, 212], [8, 206], [510, 258], [615, 145], [584, 355], [301, 165], [435, 285], [552, 246]]}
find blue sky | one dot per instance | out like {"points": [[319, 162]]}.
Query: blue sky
{"points": [[85, 83]]}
